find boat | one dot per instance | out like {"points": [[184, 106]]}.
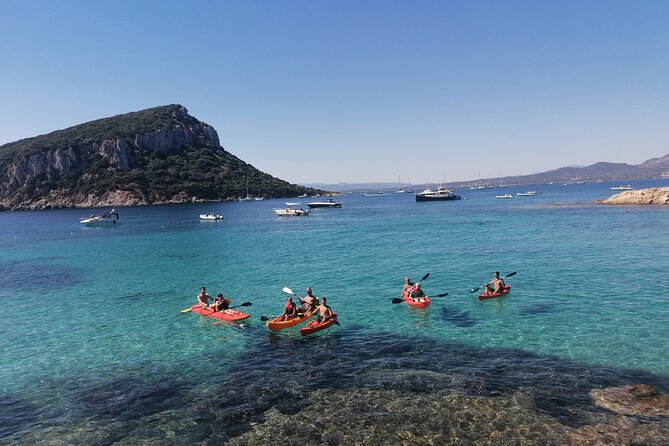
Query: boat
{"points": [[414, 303], [222, 315], [291, 211], [315, 326], [303, 196], [530, 193], [110, 218], [504, 196], [276, 325], [211, 216], [325, 204], [441, 194], [628, 187], [505, 290]]}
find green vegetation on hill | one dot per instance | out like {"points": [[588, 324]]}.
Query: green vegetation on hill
{"points": [[121, 126]]}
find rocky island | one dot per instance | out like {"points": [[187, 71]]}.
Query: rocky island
{"points": [[653, 195], [154, 156]]}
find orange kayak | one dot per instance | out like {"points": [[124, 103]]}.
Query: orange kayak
{"points": [[276, 325], [505, 290], [315, 326], [236, 316]]}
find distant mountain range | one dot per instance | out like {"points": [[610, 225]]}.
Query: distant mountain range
{"points": [[653, 168], [158, 155]]}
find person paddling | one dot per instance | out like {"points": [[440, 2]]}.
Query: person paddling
{"points": [[497, 284], [309, 302], [222, 304], [203, 298], [417, 293], [289, 310]]}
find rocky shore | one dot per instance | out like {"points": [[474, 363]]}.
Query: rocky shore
{"points": [[653, 195]]}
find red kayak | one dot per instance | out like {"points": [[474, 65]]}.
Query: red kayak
{"points": [[415, 303], [505, 290], [222, 315], [315, 326]]}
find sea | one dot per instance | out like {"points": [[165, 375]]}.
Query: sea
{"points": [[96, 350]]}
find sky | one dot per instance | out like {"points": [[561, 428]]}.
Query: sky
{"points": [[355, 91]]}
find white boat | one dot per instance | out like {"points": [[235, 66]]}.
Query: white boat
{"points": [[530, 193], [325, 204], [504, 196], [292, 211], [110, 218], [628, 187], [303, 196], [211, 216]]}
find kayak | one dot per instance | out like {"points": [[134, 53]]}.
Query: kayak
{"points": [[276, 325], [222, 315], [416, 304], [315, 326], [505, 290]]}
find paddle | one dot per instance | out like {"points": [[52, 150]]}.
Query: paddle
{"points": [[399, 301], [479, 287]]}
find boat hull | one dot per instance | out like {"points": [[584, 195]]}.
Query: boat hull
{"points": [[221, 315], [506, 290], [415, 304], [315, 326]]}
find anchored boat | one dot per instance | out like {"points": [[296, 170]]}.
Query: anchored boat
{"points": [[110, 218], [292, 211]]}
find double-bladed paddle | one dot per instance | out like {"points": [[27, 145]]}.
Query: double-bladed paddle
{"points": [[473, 290], [399, 301]]}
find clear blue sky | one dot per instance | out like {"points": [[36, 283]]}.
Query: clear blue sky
{"points": [[355, 91]]}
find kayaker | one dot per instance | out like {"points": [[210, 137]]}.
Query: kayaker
{"points": [[497, 284], [408, 284], [417, 293], [289, 310], [222, 304], [309, 302], [324, 311], [203, 298]]}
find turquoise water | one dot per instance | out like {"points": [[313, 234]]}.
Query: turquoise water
{"points": [[85, 309]]}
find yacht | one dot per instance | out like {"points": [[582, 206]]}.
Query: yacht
{"points": [[441, 194], [292, 211], [325, 204], [530, 193], [211, 216], [504, 196], [110, 218], [628, 187]]}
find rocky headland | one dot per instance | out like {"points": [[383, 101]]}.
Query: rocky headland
{"points": [[653, 195], [154, 156]]}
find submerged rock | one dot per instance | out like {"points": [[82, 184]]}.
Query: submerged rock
{"points": [[653, 195], [633, 399]]}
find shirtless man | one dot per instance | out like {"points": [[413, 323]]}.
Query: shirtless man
{"points": [[408, 284], [203, 298], [309, 302], [497, 284], [324, 311]]}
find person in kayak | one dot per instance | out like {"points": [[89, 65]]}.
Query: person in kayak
{"points": [[309, 302], [497, 284], [222, 304], [203, 298], [408, 284], [324, 311], [417, 293], [289, 310]]}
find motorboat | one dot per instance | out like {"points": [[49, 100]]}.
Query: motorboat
{"points": [[303, 196], [628, 187], [530, 193], [211, 216], [504, 196], [110, 218], [292, 211], [441, 194], [325, 204]]}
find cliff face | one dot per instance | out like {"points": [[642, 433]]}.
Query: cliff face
{"points": [[139, 158], [653, 195]]}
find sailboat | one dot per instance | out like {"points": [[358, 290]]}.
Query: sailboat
{"points": [[248, 197], [399, 184], [259, 198]]}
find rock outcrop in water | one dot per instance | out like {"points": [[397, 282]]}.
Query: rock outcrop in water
{"points": [[154, 156], [634, 399], [654, 195]]}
